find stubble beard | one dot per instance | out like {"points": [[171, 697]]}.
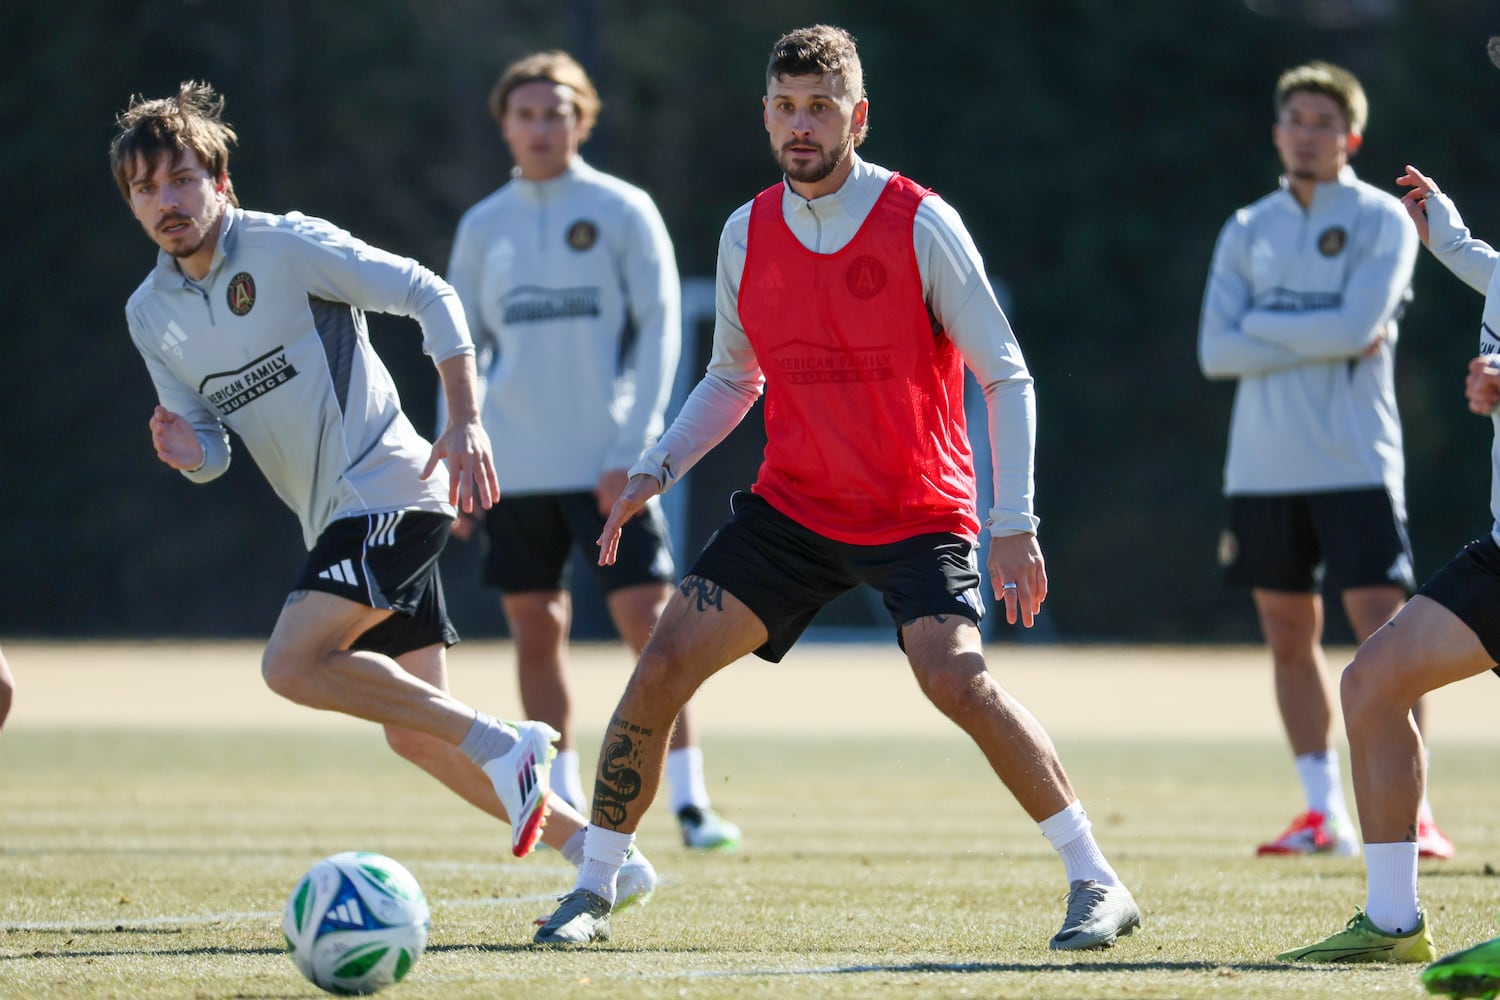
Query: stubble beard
{"points": [[819, 169]]}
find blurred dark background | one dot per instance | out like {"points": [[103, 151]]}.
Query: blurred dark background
{"points": [[1093, 148]]}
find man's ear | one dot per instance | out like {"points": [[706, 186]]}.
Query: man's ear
{"points": [[1353, 143], [861, 117]]}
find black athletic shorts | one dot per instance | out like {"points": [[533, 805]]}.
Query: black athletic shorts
{"points": [[1343, 539], [531, 536], [385, 561], [1469, 586], [785, 573]]}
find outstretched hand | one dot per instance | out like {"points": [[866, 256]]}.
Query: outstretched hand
{"points": [[174, 439], [632, 501], [471, 466], [1422, 188], [1019, 575]]}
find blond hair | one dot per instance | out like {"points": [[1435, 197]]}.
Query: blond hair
{"points": [[554, 66], [1331, 81]]}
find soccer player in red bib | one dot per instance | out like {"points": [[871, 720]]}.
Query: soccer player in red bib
{"points": [[852, 297]]}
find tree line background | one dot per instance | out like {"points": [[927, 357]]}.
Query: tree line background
{"points": [[1093, 148]]}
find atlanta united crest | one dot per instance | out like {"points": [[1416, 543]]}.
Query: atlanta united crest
{"points": [[241, 293], [582, 235], [865, 277], [1332, 240]]}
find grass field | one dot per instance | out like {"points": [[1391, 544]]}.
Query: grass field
{"points": [[157, 805]]}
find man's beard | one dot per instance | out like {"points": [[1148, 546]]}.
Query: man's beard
{"points": [[817, 170]]}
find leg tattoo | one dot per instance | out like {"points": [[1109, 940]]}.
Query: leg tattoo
{"points": [[619, 781], [707, 593]]}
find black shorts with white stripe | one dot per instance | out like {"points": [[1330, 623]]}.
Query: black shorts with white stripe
{"points": [[387, 561]]}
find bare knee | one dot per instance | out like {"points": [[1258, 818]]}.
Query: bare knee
{"points": [[958, 693], [1372, 692], [660, 676], [285, 673]]}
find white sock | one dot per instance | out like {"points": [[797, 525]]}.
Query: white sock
{"points": [[685, 775], [565, 781], [1322, 784], [1071, 835], [1391, 893], [572, 851], [604, 852]]}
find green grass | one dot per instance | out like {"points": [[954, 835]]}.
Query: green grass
{"points": [[156, 863]]}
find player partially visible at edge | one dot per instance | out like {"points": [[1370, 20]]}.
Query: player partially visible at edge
{"points": [[854, 298], [255, 323], [7, 689], [1303, 297], [1449, 631], [569, 282]]}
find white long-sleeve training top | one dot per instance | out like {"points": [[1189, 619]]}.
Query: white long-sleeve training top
{"points": [[272, 345], [570, 287], [1294, 298], [1474, 261]]}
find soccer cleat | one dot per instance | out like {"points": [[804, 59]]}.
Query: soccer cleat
{"points": [[1097, 914], [1431, 843], [520, 779], [706, 830], [1473, 972], [1314, 833], [1362, 941], [583, 917], [635, 883]]}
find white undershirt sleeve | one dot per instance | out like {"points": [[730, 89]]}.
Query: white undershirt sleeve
{"points": [[962, 301]]}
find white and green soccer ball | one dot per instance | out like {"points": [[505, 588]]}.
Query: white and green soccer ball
{"points": [[356, 923]]}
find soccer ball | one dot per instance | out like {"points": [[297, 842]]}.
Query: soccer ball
{"points": [[356, 922]]}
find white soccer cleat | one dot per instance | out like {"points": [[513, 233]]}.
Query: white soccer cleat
{"points": [[520, 779], [635, 883], [1097, 915], [582, 918]]}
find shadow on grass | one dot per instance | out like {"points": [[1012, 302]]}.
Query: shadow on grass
{"points": [[144, 952], [989, 967]]}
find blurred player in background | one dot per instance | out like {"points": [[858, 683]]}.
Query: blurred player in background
{"points": [[853, 297], [569, 283], [1449, 631], [254, 323], [7, 689], [1303, 298]]}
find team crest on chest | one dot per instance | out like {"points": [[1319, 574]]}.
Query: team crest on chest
{"points": [[241, 293], [1332, 240], [582, 235], [865, 277]]}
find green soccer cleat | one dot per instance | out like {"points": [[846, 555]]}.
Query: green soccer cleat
{"points": [[1362, 941], [706, 830], [1473, 972]]}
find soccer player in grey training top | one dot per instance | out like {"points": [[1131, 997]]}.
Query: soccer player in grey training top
{"points": [[569, 283], [1303, 297], [7, 689], [254, 323], [1449, 631]]}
